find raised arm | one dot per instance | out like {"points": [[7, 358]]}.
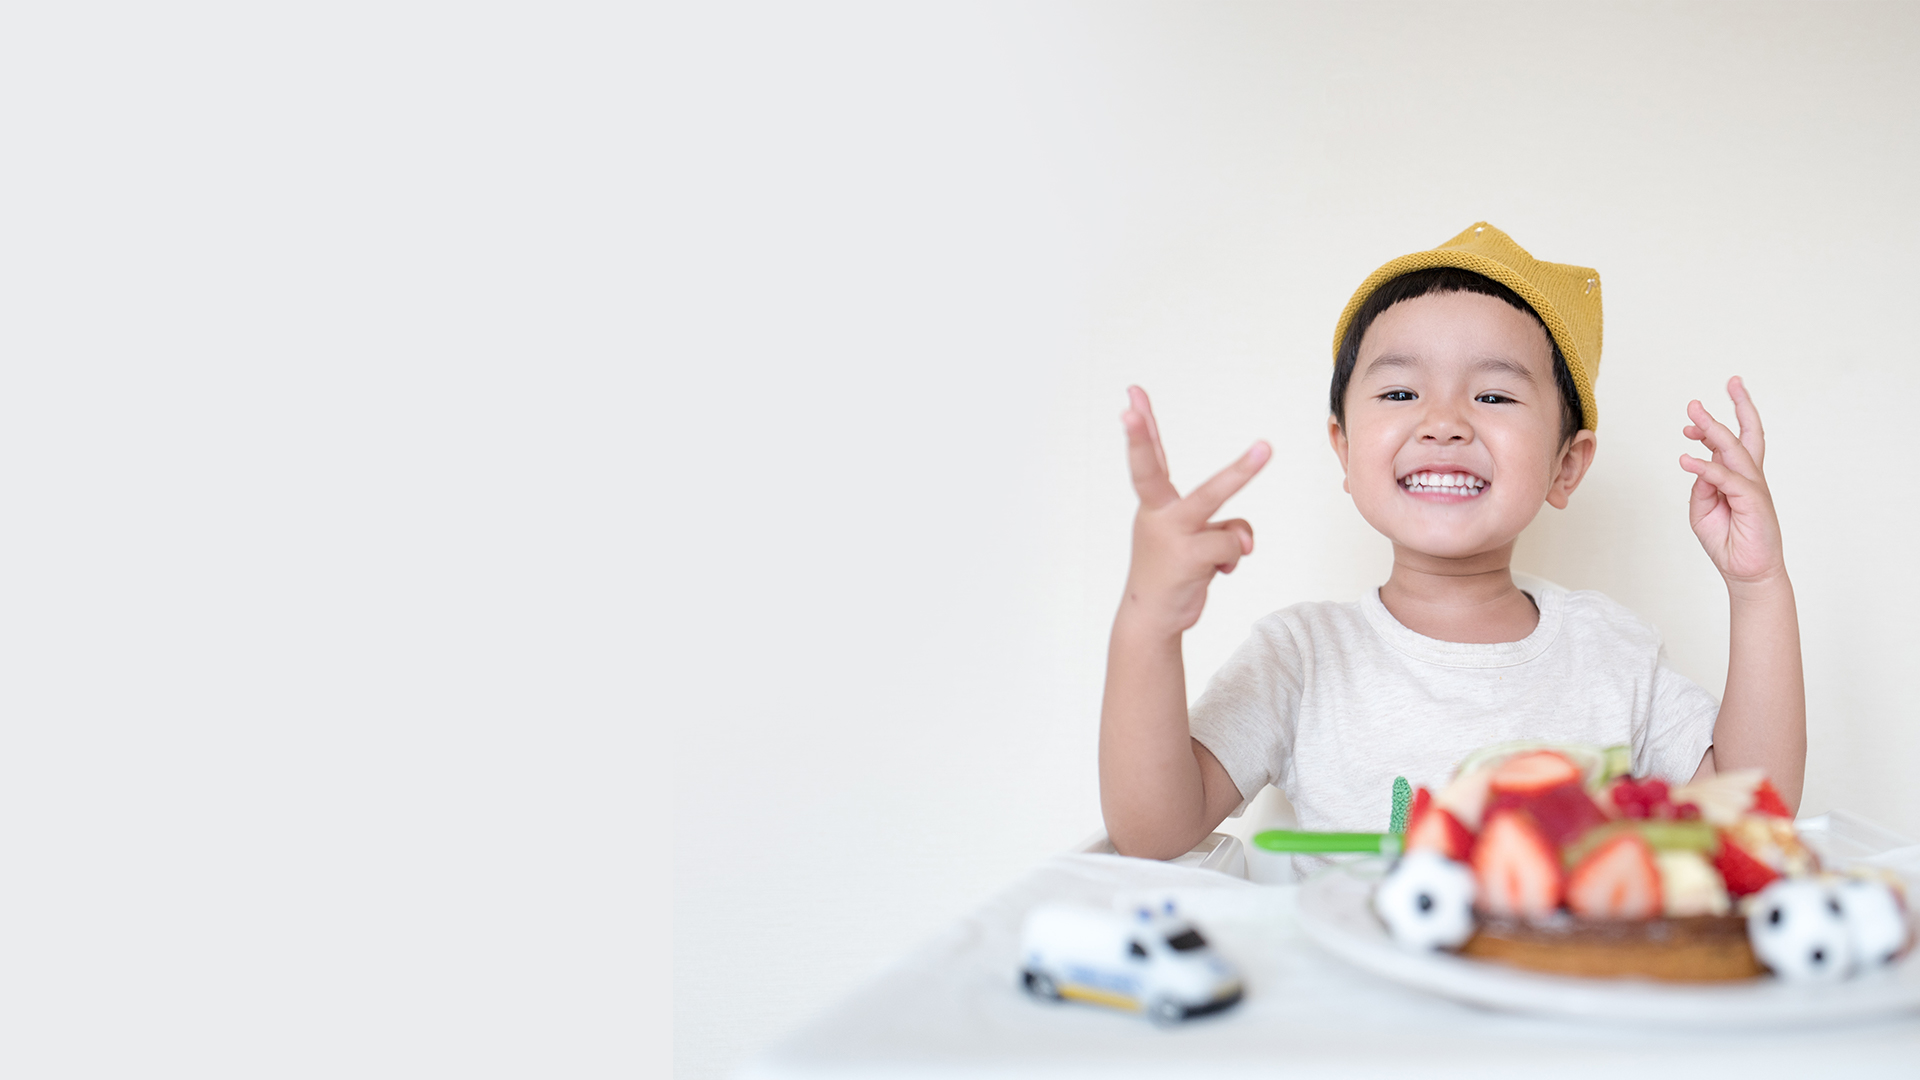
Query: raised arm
{"points": [[1160, 791], [1763, 715]]}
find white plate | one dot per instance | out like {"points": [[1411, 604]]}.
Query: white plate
{"points": [[1336, 916]]}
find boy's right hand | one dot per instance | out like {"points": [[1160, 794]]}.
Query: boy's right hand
{"points": [[1176, 550]]}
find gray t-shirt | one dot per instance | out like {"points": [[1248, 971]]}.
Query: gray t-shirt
{"points": [[1329, 702]]}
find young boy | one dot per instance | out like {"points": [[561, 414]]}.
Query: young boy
{"points": [[1462, 400]]}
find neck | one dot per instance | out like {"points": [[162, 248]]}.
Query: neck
{"points": [[1466, 600]]}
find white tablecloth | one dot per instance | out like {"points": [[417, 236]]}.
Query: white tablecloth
{"points": [[954, 1009]]}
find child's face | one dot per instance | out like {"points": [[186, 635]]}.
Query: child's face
{"points": [[1452, 436]]}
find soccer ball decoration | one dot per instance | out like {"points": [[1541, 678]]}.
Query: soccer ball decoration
{"points": [[1427, 901], [1799, 929]]}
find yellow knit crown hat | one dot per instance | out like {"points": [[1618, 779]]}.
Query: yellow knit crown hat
{"points": [[1567, 298]]}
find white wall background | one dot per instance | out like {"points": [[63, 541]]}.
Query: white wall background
{"points": [[915, 257], [317, 589]]}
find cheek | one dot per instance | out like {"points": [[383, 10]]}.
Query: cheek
{"points": [[1372, 466], [1525, 467], [1381, 446]]}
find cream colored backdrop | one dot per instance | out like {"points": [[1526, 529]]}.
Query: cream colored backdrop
{"points": [[926, 252]]}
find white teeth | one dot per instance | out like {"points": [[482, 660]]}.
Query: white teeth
{"points": [[1454, 483]]}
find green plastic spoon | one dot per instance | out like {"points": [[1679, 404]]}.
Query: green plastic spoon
{"points": [[1294, 842]]}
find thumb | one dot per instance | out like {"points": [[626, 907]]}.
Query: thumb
{"points": [[1242, 529], [1702, 500]]}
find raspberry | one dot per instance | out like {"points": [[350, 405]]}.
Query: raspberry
{"points": [[1643, 799]]}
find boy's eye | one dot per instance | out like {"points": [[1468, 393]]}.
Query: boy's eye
{"points": [[1397, 395], [1492, 399]]}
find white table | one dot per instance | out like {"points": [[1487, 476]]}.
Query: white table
{"points": [[953, 1009]]}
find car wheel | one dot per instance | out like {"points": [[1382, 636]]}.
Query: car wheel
{"points": [[1167, 1011], [1041, 986]]}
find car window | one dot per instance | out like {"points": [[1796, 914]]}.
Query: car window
{"points": [[1137, 949], [1188, 939]]}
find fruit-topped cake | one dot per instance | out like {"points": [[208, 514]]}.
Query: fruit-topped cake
{"points": [[1553, 858]]}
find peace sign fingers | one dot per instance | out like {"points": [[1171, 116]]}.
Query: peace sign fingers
{"points": [[1145, 457], [1202, 502], [1728, 448], [1730, 506], [1176, 548], [1751, 435]]}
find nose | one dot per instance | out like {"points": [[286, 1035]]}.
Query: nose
{"points": [[1444, 425]]}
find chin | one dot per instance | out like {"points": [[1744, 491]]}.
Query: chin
{"points": [[1462, 554], [1435, 540], [1451, 531], [1442, 548]]}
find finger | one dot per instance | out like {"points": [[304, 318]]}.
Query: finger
{"points": [[1138, 399], [1726, 446], [1699, 434], [1241, 528], [1732, 484], [1752, 436], [1702, 499], [1150, 480], [1221, 548], [1201, 503]]}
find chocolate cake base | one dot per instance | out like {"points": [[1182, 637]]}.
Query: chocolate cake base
{"points": [[1704, 948]]}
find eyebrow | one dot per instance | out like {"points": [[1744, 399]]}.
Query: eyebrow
{"points": [[1490, 363], [1495, 363], [1391, 360]]}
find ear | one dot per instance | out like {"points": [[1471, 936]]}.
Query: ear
{"points": [[1575, 459], [1338, 438]]}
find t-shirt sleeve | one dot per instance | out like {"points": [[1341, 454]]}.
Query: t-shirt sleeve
{"points": [[1679, 726], [1246, 715]]}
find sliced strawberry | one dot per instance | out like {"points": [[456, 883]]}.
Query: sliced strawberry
{"points": [[1532, 772], [1438, 830], [1516, 867], [1563, 812], [1422, 798], [1465, 796], [1767, 800], [1619, 880], [1743, 873]]}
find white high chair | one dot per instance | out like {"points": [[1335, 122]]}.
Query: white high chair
{"points": [[1230, 849]]}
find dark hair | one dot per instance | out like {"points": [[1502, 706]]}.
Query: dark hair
{"points": [[1446, 279]]}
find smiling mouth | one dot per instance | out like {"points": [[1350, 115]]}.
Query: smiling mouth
{"points": [[1460, 484]]}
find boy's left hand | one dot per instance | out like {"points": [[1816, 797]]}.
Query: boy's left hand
{"points": [[1731, 508]]}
